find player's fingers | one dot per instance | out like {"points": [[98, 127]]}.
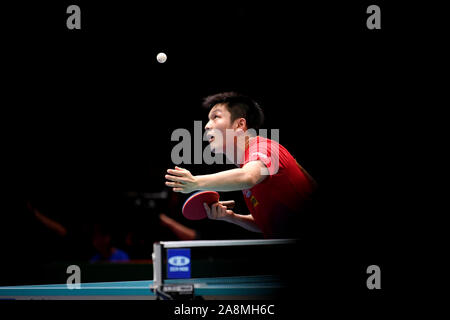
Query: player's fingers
{"points": [[178, 189], [208, 210], [229, 203], [215, 205], [215, 210], [173, 184], [182, 171], [179, 173], [220, 210], [223, 210], [173, 178]]}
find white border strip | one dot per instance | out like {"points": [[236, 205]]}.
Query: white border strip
{"points": [[73, 289], [224, 243]]}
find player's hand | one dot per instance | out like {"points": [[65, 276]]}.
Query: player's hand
{"points": [[218, 211], [181, 180]]}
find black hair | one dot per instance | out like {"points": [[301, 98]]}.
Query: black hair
{"points": [[239, 105]]}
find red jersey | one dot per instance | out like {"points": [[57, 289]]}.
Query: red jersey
{"points": [[276, 202]]}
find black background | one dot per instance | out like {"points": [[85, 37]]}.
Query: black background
{"points": [[88, 114]]}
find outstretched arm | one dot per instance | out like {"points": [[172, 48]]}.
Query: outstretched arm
{"points": [[252, 173]]}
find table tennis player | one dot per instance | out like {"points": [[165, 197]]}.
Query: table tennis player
{"points": [[275, 187]]}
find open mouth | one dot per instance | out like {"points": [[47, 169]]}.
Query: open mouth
{"points": [[210, 137]]}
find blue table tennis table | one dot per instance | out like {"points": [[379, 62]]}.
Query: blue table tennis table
{"points": [[234, 287], [208, 288]]}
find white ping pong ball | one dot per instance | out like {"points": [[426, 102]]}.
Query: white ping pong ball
{"points": [[161, 57]]}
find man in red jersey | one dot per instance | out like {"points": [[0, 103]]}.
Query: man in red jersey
{"points": [[276, 188]]}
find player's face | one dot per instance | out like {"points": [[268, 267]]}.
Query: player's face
{"points": [[219, 120]]}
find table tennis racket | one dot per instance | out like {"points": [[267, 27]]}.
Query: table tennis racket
{"points": [[193, 208]]}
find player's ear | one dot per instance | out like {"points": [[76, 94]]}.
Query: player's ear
{"points": [[241, 124]]}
